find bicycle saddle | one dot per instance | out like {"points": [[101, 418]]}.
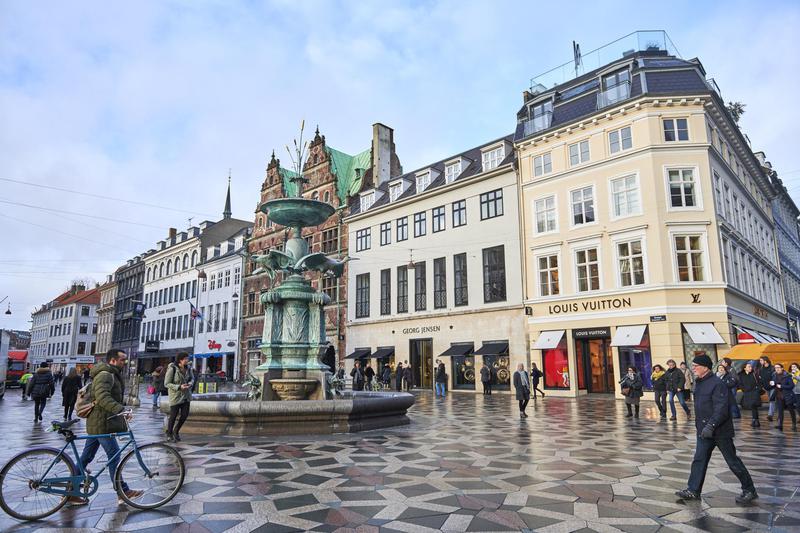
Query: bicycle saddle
{"points": [[60, 424]]}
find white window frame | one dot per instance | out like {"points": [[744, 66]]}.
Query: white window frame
{"points": [[581, 188], [581, 160], [451, 171], [675, 129], [545, 161], [366, 200], [395, 191], [629, 237], [555, 213], [612, 214], [491, 159], [620, 142], [585, 246], [423, 180], [548, 252], [685, 231], [698, 193]]}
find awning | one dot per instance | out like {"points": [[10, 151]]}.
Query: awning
{"points": [[548, 340], [210, 354], [381, 353], [458, 349], [492, 348], [759, 337], [360, 353], [703, 333], [628, 335]]}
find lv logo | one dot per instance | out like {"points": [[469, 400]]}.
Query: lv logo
{"points": [[696, 298]]}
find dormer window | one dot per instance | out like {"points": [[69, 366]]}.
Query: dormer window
{"points": [[423, 181], [395, 190], [367, 200], [451, 171], [539, 117], [616, 87], [492, 158]]}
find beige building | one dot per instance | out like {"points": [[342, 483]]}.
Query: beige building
{"points": [[437, 271], [647, 228], [105, 316]]}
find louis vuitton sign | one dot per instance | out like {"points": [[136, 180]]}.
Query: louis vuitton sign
{"points": [[603, 304]]}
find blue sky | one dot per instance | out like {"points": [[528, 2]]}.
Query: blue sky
{"points": [[155, 101]]}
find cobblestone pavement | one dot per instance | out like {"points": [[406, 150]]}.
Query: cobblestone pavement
{"points": [[466, 463]]}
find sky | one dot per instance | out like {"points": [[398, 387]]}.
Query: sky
{"points": [[153, 102]]}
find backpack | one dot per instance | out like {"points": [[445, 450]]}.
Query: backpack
{"points": [[85, 402]]}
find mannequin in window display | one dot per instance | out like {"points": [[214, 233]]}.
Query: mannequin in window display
{"points": [[565, 377]]}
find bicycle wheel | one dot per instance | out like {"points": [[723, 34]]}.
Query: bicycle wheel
{"points": [[167, 472], [20, 496]]}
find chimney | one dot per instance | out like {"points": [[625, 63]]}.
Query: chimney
{"points": [[382, 152], [172, 233]]}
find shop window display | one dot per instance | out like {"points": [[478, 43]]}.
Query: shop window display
{"points": [[692, 349], [464, 372], [556, 367], [638, 357], [501, 375]]}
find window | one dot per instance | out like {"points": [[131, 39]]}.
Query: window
{"points": [[452, 171], [423, 181], [234, 314], [366, 201], [182, 289], [395, 190], [84, 310], [81, 348], [492, 204], [540, 115], [194, 288], [386, 233], [459, 213], [330, 286], [545, 212], [402, 289], [437, 219], [251, 308], [227, 279], [180, 327], [402, 229], [386, 291], [492, 158], [682, 188], [578, 153], [460, 292], [216, 317], [676, 129], [588, 268], [494, 274], [94, 329], [625, 196], [363, 239], [224, 324], [620, 140], [420, 226], [83, 328], [689, 256], [736, 270], [213, 279], [631, 263], [329, 240], [439, 283], [582, 205], [420, 288], [616, 87], [542, 164], [362, 295], [548, 275]]}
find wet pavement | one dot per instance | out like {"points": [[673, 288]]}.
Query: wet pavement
{"points": [[466, 463]]}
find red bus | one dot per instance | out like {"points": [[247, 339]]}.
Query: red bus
{"points": [[17, 366]]}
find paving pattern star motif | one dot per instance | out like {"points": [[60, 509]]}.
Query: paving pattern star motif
{"points": [[466, 463]]}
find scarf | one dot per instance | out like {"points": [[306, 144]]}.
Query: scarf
{"points": [[657, 374]]}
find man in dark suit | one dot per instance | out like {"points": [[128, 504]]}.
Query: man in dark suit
{"points": [[714, 430], [522, 386]]}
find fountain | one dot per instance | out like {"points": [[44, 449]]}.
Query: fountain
{"points": [[295, 396]]}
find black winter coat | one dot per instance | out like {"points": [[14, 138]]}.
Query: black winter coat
{"points": [[69, 390], [536, 375], [765, 375], [660, 384], [674, 379], [634, 384], [398, 377], [751, 389], [521, 385], [441, 374], [42, 384], [783, 389], [712, 406], [486, 374]]}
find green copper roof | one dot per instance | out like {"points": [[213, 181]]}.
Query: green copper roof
{"points": [[349, 170], [289, 187]]}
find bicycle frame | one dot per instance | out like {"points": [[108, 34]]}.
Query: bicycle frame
{"points": [[56, 485]]}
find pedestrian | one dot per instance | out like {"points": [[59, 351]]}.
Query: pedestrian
{"points": [[106, 417], [87, 375], [675, 385], [732, 382], [751, 391], [386, 376], [23, 384], [41, 387], [341, 372], [69, 392], [714, 430], [398, 377], [369, 375], [688, 382], [358, 376], [783, 386], [765, 372], [794, 370], [408, 377], [522, 387], [486, 379], [441, 379], [179, 381], [536, 375], [631, 385], [157, 384], [660, 389]]}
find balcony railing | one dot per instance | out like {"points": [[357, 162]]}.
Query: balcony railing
{"points": [[542, 122], [614, 94]]}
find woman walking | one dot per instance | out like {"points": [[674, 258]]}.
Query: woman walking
{"points": [[688, 381], [398, 376], [178, 380], [783, 386], [158, 384], [41, 387], [751, 391], [765, 371], [632, 390], [675, 386], [69, 392], [536, 375], [659, 380]]}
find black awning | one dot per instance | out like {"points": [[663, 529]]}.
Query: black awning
{"points": [[493, 348], [383, 352], [359, 353], [458, 349]]}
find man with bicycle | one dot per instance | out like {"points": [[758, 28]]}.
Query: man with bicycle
{"points": [[107, 391]]}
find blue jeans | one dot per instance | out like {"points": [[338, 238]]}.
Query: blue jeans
{"points": [[111, 448], [439, 388], [681, 399], [156, 394], [702, 456]]}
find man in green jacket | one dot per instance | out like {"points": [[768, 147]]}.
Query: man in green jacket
{"points": [[107, 392], [23, 384]]}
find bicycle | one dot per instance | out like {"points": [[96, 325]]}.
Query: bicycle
{"points": [[36, 483]]}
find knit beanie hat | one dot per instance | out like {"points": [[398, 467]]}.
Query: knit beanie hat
{"points": [[703, 360]]}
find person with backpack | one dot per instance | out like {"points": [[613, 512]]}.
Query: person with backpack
{"points": [[69, 392], [179, 381], [103, 399], [41, 387]]}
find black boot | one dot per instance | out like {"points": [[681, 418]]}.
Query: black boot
{"points": [[637, 411], [630, 410]]}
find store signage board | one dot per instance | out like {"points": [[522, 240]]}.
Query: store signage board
{"points": [[591, 333], [603, 304], [658, 318]]}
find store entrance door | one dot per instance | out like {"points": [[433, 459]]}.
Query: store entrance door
{"points": [[421, 353], [597, 363]]}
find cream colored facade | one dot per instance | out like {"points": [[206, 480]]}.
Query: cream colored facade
{"points": [[630, 192], [474, 327], [105, 316]]}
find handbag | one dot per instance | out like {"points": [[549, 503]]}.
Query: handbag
{"points": [[151, 390], [626, 391]]}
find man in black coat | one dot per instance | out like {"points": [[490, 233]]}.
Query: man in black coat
{"points": [[714, 430], [522, 388]]}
